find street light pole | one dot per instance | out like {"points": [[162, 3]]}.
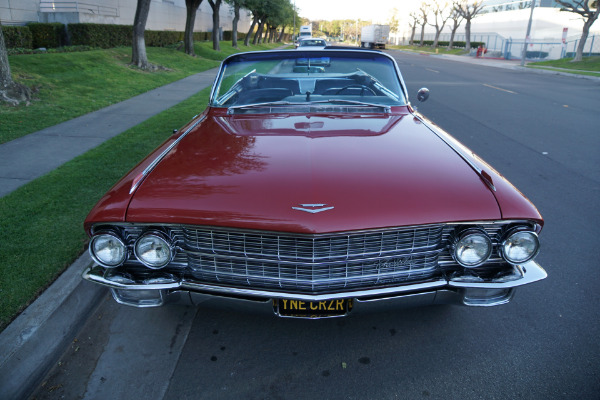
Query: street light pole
{"points": [[294, 33], [524, 53]]}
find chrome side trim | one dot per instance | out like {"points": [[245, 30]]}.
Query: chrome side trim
{"points": [[219, 76], [315, 235], [527, 273], [153, 164]]}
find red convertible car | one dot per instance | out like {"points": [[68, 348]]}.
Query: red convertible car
{"points": [[313, 190]]}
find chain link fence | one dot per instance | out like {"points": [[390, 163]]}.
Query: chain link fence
{"points": [[512, 49], [550, 50]]}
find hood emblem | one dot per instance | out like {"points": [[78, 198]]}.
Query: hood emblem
{"points": [[313, 208]]}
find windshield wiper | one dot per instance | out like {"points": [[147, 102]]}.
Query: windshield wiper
{"points": [[265, 104], [231, 109], [386, 109]]}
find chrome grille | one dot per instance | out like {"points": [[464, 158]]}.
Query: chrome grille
{"points": [[312, 263]]}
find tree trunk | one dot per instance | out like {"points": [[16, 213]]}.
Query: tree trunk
{"points": [[258, 33], [216, 6], [247, 38], [422, 34], [234, 25], [10, 91], [139, 57], [468, 35], [188, 37], [263, 29], [412, 35], [5, 74], [437, 38], [454, 29], [280, 38], [582, 40]]}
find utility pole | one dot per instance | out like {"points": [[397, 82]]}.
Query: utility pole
{"points": [[524, 53], [294, 33]]}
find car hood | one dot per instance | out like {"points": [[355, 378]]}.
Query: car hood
{"points": [[312, 173]]}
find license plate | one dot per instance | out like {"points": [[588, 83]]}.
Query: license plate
{"points": [[312, 309]]}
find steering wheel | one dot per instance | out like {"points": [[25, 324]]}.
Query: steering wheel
{"points": [[357, 85]]}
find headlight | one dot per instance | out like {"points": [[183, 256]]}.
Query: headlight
{"points": [[153, 250], [472, 248], [108, 250], [520, 246]]}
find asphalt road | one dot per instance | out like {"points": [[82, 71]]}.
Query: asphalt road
{"points": [[543, 133]]}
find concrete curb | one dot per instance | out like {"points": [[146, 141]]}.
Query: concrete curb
{"points": [[561, 73], [33, 342]]}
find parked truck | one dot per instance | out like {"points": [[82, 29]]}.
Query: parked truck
{"points": [[374, 36]]}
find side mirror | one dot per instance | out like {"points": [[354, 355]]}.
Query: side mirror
{"points": [[423, 94]]}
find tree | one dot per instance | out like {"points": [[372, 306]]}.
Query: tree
{"points": [[216, 7], [441, 16], [456, 21], [414, 21], [188, 37], [393, 21], [139, 57], [236, 4], [589, 16], [280, 14], [252, 26], [256, 8], [424, 11], [10, 91], [468, 11], [258, 35]]}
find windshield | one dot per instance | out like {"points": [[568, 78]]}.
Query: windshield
{"points": [[312, 77], [313, 42]]}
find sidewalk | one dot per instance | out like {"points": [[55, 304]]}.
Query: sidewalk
{"points": [[512, 64], [29, 157], [488, 62], [33, 342]]}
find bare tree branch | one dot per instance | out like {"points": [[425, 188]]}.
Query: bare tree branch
{"points": [[468, 11]]}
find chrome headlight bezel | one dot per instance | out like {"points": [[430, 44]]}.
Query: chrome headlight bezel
{"points": [[93, 251], [461, 240], [519, 231], [163, 239]]}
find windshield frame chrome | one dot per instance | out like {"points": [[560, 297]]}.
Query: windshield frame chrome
{"points": [[294, 53]]}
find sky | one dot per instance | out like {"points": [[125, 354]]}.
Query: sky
{"points": [[378, 11]]}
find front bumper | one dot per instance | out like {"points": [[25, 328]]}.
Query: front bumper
{"points": [[463, 290]]}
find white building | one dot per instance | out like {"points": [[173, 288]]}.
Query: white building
{"points": [[504, 31], [164, 14]]}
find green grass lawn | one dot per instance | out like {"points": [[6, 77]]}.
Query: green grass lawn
{"points": [[41, 223], [41, 228], [429, 49], [587, 66], [73, 84]]}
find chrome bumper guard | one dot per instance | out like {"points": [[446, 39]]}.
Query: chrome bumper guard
{"points": [[465, 290]]}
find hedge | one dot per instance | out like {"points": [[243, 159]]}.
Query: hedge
{"points": [[48, 35], [162, 38], [202, 36], [106, 36], [54, 35], [100, 35], [443, 43], [17, 36]]}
